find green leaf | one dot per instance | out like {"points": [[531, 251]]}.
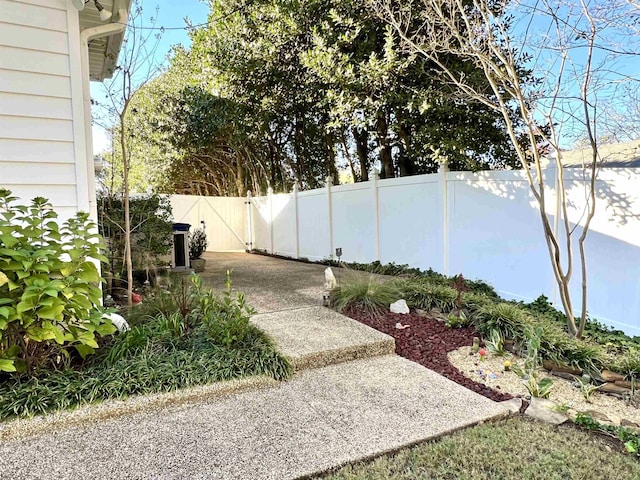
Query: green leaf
{"points": [[7, 365], [84, 350], [51, 313]]}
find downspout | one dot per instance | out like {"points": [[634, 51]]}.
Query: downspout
{"points": [[86, 36]]}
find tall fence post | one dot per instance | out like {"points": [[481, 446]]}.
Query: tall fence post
{"points": [[270, 200], [330, 207], [444, 170], [249, 215], [376, 211], [295, 213]]}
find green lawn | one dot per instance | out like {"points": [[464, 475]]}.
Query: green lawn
{"points": [[513, 449]]}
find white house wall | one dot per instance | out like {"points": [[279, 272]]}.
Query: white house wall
{"points": [[42, 136]]}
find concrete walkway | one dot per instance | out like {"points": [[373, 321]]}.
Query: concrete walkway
{"points": [[269, 284], [350, 399]]}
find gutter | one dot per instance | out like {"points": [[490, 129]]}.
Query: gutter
{"points": [[86, 36]]}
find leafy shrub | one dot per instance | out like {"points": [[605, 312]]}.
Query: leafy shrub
{"points": [[515, 322], [367, 292], [422, 293], [151, 230], [197, 243], [49, 287]]}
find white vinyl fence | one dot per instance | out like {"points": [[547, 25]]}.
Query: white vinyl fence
{"points": [[485, 225]]}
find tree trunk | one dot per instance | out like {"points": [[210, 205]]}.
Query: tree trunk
{"points": [[404, 162], [125, 201], [349, 158], [361, 136], [384, 147], [332, 171]]}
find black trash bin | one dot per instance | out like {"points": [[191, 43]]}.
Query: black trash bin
{"points": [[181, 246]]}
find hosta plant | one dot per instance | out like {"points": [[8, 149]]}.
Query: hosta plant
{"points": [[49, 286]]}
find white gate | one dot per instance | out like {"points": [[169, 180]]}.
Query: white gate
{"points": [[223, 218]]}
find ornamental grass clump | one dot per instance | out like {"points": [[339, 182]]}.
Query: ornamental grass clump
{"points": [[369, 292], [426, 295]]}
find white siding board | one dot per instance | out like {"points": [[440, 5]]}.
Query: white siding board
{"points": [[59, 195], [51, 4], [33, 16], [35, 151], [33, 38], [35, 106], [35, 128], [16, 173], [34, 84], [14, 58]]}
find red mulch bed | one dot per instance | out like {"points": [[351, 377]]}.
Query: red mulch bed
{"points": [[427, 342]]}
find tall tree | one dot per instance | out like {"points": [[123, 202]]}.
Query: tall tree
{"points": [[578, 37], [136, 66]]}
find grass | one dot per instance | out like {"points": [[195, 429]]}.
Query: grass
{"points": [[512, 449], [368, 292]]}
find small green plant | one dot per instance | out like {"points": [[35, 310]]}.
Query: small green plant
{"points": [[197, 243], [495, 343], [49, 286], [457, 321], [586, 387], [226, 319], [539, 388]]}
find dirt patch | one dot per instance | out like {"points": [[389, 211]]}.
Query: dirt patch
{"points": [[428, 341]]}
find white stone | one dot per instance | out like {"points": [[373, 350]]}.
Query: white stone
{"points": [[399, 307], [330, 281], [119, 321], [545, 411]]}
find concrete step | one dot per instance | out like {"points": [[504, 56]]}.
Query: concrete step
{"points": [[315, 337], [320, 419]]}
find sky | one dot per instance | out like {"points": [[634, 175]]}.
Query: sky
{"points": [[171, 14]]}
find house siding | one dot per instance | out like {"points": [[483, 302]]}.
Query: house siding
{"points": [[42, 145]]}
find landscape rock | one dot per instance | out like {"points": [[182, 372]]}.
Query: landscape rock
{"points": [[330, 281], [421, 313], [611, 387], [118, 321], [545, 411], [512, 405], [628, 423], [609, 376], [549, 365], [599, 416], [565, 375], [623, 383], [399, 307]]}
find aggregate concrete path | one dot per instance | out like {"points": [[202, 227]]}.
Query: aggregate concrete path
{"points": [[269, 284], [319, 420], [313, 337]]}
